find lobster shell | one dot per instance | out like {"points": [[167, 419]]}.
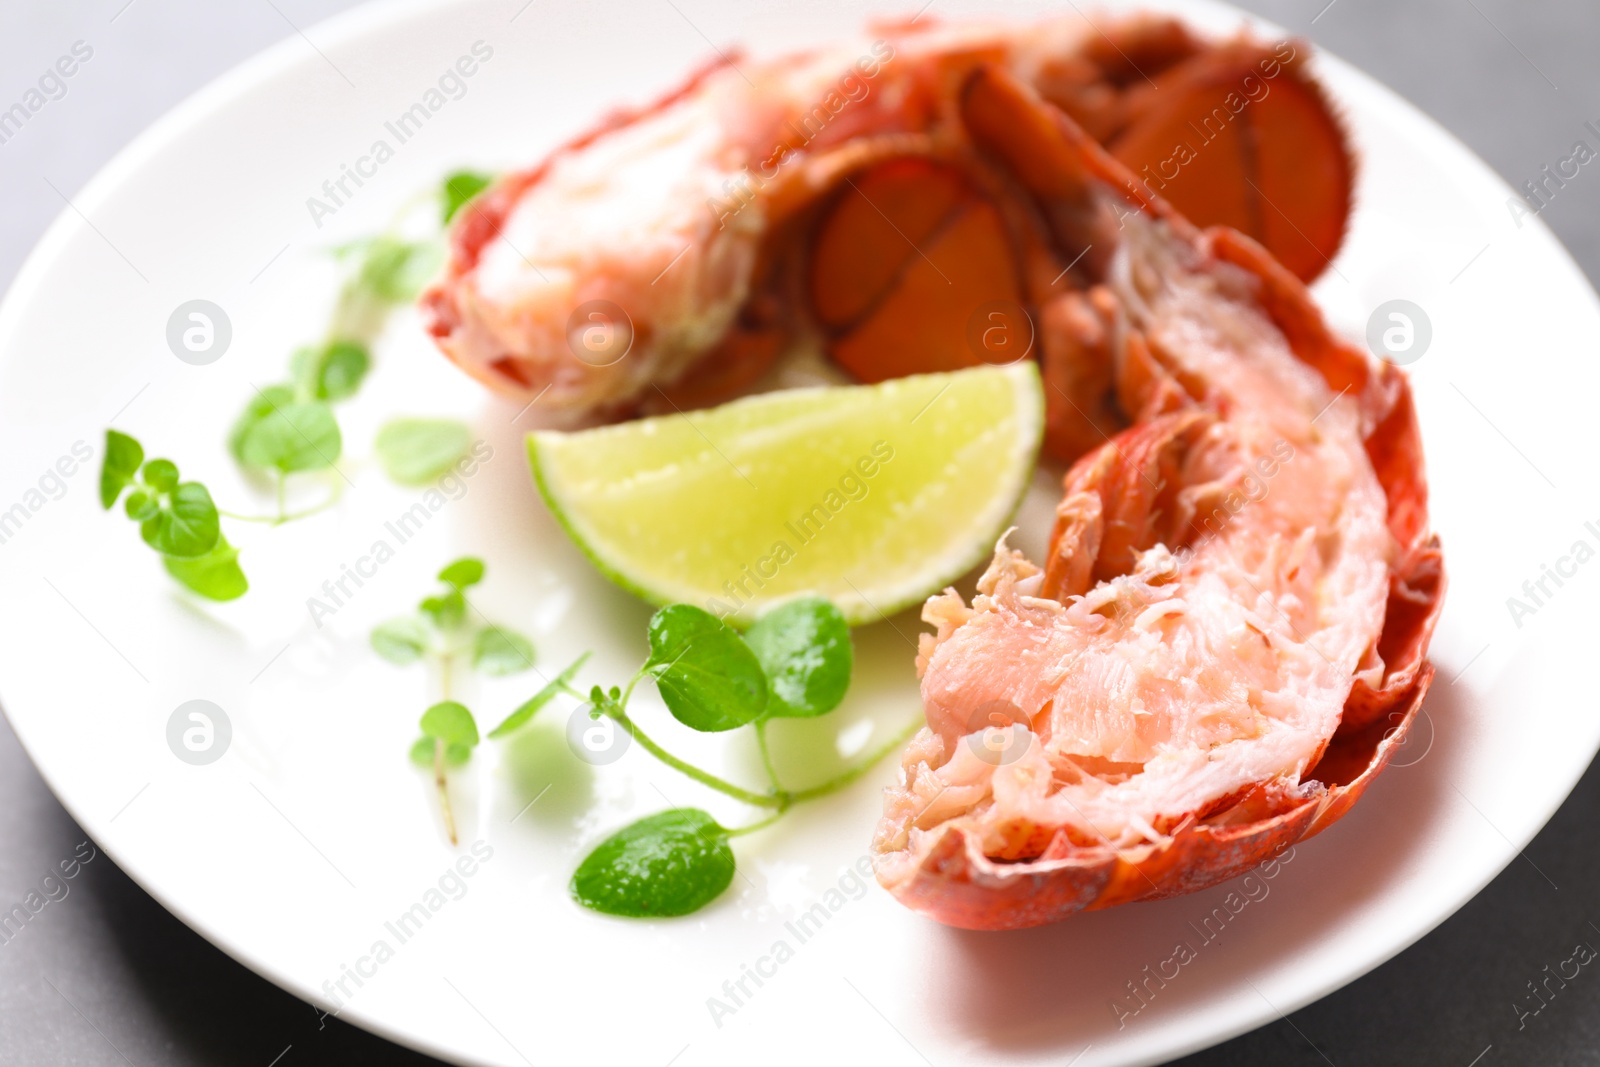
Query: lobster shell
{"points": [[955, 883]]}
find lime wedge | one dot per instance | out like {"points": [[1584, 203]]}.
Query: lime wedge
{"points": [[874, 496]]}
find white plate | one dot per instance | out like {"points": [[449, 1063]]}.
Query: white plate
{"points": [[295, 848]]}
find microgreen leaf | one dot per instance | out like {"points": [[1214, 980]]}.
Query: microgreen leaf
{"points": [[671, 863], [122, 459], [215, 575], [708, 677], [461, 187], [186, 525], [531, 706], [422, 753], [297, 436], [804, 647], [451, 723], [498, 651], [160, 475], [400, 641], [140, 505], [333, 371], [387, 272], [392, 270], [263, 403], [464, 572], [451, 726], [447, 610], [418, 451]]}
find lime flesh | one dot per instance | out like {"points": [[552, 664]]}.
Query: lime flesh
{"points": [[874, 496]]}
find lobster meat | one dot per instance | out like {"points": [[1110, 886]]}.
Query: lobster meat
{"points": [[1228, 636], [673, 256]]}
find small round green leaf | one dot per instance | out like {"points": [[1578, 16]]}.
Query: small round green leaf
{"points": [[161, 474], [140, 505], [215, 575], [498, 651], [418, 451], [672, 863], [446, 611], [400, 641], [804, 646], [451, 723], [422, 753], [461, 187], [394, 271], [122, 459], [299, 436], [187, 526], [333, 371], [262, 404], [708, 677], [464, 572]]}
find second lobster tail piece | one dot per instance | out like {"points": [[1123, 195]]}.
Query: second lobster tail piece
{"points": [[1226, 639]]}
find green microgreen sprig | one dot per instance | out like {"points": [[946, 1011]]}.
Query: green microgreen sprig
{"points": [[444, 631], [177, 519], [289, 427], [795, 662], [417, 451]]}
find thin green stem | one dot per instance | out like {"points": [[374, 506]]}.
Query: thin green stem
{"points": [[766, 754], [444, 791], [780, 799], [447, 662], [279, 520], [753, 827], [628, 692], [283, 489], [760, 800]]}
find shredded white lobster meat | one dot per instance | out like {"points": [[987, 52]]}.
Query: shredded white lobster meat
{"points": [[1202, 672]]}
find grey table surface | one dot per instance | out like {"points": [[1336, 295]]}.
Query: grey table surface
{"points": [[106, 976]]}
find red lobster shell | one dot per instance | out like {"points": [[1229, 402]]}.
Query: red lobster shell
{"points": [[944, 873]]}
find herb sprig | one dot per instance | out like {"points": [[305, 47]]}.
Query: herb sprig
{"points": [[795, 662], [290, 427], [441, 632], [177, 519]]}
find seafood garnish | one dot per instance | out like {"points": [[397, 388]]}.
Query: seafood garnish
{"points": [[1227, 637]]}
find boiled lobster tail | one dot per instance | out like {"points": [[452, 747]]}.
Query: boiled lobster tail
{"points": [[980, 849]]}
